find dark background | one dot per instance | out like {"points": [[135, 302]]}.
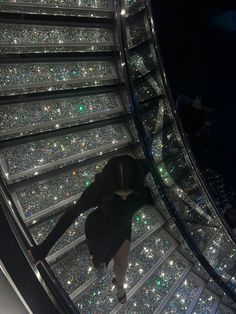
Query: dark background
{"points": [[198, 47]]}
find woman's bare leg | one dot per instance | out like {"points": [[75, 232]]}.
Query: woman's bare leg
{"points": [[121, 263]]}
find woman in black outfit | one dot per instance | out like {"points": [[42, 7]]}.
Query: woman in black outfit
{"points": [[117, 193]]}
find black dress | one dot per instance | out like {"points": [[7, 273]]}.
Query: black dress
{"points": [[107, 227]]}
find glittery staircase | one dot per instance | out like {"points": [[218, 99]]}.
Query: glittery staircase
{"points": [[65, 111]]}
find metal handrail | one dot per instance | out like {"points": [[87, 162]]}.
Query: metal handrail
{"points": [[48, 280]]}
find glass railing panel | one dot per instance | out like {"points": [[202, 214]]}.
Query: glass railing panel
{"points": [[137, 32], [39, 116], [141, 62], [147, 87], [133, 6], [23, 38], [23, 78], [176, 169]]}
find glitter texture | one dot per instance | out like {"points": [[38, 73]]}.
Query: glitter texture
{"points": [[69, 268], [98, 8], [41, 195], [102, 294], [40, 231], [33, 156], [133, 6], [155, 288], [60, 3], [153, 119], [23, 38], [148, 88], [184, 295], [28, 78], [137, 32], [141, 63], [205, 303], [22, 118], [165, 144]]}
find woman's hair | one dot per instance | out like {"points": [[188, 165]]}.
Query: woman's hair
{"points": [[121, 173]]}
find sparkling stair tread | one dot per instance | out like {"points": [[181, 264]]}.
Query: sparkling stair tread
{"points": [[92, 8], [23, 78], [25, 38], [141, 259], [40, 116], [182, 298], [29, 159]]}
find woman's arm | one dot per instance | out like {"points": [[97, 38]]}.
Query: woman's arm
{"points": [[91, 197]]}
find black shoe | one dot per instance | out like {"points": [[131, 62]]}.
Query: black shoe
{"points": [[123, 298]]}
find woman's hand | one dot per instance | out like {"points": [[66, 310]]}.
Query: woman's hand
{"points": [[34, 260], [38, 253]]}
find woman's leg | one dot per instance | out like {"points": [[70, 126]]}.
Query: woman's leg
{"points": [[121, 263]]}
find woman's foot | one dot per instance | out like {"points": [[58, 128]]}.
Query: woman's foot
{"points": [[100, 269], [120, 292]]}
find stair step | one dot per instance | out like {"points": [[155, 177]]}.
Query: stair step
{"points": [[76, 231], [156, 286], [24, 78], [143, 221], [79, 257], [141, 62], [141, 259], [39, 116], [28, 38], [206, 303], [48, 195], [29, 159], [101, 8], [184, 295]]}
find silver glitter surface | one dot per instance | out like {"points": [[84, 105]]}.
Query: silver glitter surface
{"points": [[33, 156], [183, 296], [35, 77], [74, 268], [141, 63], [133, 6], [40, 232], [23, 118], [137, 32], [101, 294], [53, 190], [165, 144], [67, 268], [23, 38], [153, 119], [155, 288], [148, 88], [205, 303], [198, 268], [61, 3], [143, 221]]}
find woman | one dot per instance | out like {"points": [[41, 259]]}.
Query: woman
{"points": [[117, 192]]}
